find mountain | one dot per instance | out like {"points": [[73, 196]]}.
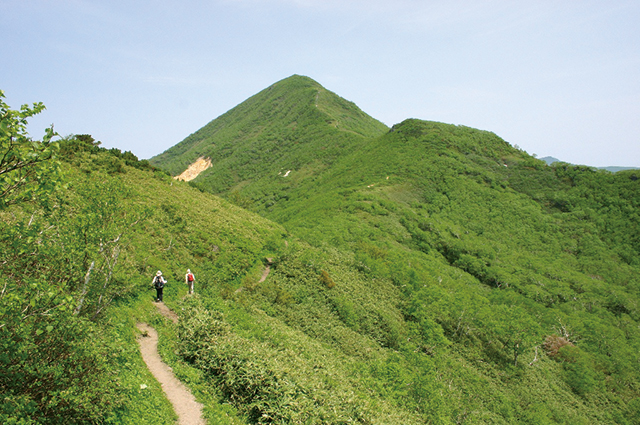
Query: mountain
{"points": [[615, 169], [294, 124], [527, 271], [424, 273], [550, 160]]}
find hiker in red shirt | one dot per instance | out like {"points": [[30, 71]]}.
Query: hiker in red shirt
{"points": [[189, 279]]}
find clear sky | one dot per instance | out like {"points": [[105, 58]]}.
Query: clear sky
{"points": [[557, 78]]}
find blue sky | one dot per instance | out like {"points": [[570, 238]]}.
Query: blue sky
{"points": [[558, 78]]}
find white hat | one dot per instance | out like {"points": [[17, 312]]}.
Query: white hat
{"points": [[159, 273]]}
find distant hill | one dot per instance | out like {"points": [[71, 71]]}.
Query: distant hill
{"points": [[617, 169], [551, 160]]}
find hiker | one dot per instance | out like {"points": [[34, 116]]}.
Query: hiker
{"points": [[158, 282], [189, 279]]}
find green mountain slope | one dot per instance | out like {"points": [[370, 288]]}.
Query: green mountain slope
{"points": [[506, 255], [71, 300], [293, 124], [511, 275]]}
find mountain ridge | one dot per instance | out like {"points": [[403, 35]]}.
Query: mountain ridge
{"points": [[612, 168]]}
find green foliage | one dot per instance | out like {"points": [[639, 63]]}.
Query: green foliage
{"points": [[266, 381], [28, 169], [579, 370], [72, 147], [52, 372]]}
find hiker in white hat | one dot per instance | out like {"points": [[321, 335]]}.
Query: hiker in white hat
{"points": [[158, 282]]}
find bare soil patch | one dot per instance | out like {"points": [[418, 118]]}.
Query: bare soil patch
{"points": [[194, 169]]}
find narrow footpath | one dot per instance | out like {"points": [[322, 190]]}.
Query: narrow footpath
{"points": [[267, 269], [189, 411]]}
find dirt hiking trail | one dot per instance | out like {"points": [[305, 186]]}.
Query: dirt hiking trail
{"points": [[189, 411], [167, 312], [265, 273], [266, 270]]}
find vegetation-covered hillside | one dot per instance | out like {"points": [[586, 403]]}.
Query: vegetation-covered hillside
{"points": [[82, 232], [428, 273], [517, 280], [295, 124]]}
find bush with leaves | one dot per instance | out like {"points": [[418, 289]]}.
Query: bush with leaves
{"points": [[28, 169]]}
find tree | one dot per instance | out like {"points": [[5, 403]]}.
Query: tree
{"points": [[512, 328], [27, 167], [28, 171]]}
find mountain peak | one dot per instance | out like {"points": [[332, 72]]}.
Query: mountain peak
{"points": [[301, 80], [293, 114]]}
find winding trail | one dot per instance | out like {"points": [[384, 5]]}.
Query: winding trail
{"points": [[189, 411], [265, 273], [267, 269]]}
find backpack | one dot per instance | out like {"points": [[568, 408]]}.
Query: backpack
{"points": [[190, 277], [159, 283]]}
